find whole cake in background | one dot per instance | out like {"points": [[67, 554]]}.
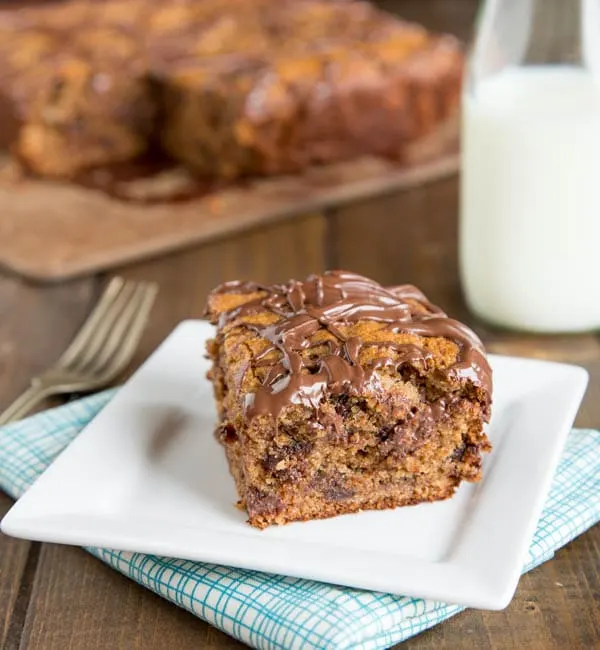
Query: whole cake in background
{"points": [[337, 395], [229, 88]]}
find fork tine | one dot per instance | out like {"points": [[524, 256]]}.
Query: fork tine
{"points": [[103, 328], [123, 354], [119, 335], [88, 329]]}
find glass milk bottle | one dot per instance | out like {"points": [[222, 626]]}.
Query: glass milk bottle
{"points": [[530, 187]]}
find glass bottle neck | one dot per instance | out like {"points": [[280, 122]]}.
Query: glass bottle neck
{"points": [[535, 32]]}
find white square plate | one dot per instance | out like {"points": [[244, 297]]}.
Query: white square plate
{"points": [[147, 475]]}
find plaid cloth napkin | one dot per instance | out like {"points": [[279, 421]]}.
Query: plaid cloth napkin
{"points": [[270, 611]]}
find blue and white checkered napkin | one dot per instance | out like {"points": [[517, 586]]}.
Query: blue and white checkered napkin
{"points": [[269, 611]]}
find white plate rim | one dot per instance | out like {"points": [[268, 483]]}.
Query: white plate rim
{"points": [[457, 579]]}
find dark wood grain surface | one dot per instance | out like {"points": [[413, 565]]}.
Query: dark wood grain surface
{"points": [[58, 598]]}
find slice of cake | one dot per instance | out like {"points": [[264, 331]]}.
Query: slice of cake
{"points": [[337, 394], [74, 92], [279, 88]]}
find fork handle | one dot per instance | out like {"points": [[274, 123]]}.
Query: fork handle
{"points": [[23, 404]]}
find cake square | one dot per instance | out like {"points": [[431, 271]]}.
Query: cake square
{"points": [[288, 85], [74, 92], [336, 394], [229, 89]]}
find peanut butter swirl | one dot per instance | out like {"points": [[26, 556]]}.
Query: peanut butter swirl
{"points": [[327, 302]]}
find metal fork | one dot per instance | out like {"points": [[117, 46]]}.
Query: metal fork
{"points": [[101, 350]]}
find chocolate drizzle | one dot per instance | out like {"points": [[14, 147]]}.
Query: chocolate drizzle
{"points": [[331, 301]]}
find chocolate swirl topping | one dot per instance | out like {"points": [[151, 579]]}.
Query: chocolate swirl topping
{"points": [[327, 302]]}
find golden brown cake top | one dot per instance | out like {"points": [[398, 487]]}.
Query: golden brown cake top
{"points": [[275, 28], [160, 35], [339, 333]]}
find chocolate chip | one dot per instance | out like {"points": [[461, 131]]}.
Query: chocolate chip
{"points": [[292, 456], [260, 502], [337, 493], [343, 406], [467, 453], [457, 454], [331, 486], [227, 434]]}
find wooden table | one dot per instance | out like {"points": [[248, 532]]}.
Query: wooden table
{"points": [[57, 597]]}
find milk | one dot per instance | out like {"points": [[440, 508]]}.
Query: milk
{"points": [[530, 199]]}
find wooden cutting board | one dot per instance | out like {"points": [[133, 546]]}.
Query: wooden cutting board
{"points": [[51, 231]]}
